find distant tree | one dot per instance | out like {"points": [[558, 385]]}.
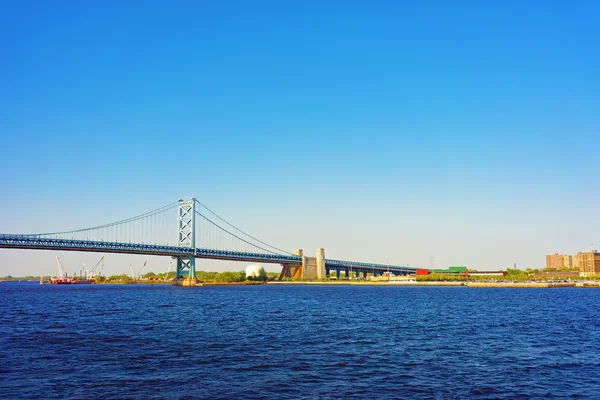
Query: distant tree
{"points": [[204, 276], [230, 277], [148, 275], [124, 278]]}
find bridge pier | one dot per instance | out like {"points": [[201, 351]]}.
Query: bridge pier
{"points": [[185, 273], [292, 271], [310, 267], [314, 267]]}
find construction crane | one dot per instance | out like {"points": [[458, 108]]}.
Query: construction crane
{"points": [[89, 273], [168, 270], [93, 270], [62, 275], [142, 270], [61, 270]]}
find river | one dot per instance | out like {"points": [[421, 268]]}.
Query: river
{"points": [[293, 341]]}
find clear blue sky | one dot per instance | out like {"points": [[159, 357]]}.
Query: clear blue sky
{"points": [[467, 131]]}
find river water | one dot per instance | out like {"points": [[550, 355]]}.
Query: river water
{"points": [[287, 342]]}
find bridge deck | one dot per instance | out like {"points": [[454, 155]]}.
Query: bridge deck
{"points": [[37, 243]]}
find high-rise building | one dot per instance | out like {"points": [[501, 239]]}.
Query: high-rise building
{"points": [[589, 263], [554, 261], [570, 261]]}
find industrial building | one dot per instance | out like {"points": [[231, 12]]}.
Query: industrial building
{"points": [[450, 271], [462, 270]]}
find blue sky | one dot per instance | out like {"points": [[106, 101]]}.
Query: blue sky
{"points": [[464, 131]]}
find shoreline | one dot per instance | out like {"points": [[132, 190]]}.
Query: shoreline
{"points": [[366, 283], [475, 285]]}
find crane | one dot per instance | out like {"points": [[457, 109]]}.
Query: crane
{"points": [[93, 270], [62, 275], [61, 270], [168, 270], [86, 269], [89, 273], [142, 270]]}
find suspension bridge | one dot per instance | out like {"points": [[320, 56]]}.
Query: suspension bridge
{"points": [[154, 233]]}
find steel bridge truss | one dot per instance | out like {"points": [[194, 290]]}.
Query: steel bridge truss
{"points": [[35, 243], [186, 238]]}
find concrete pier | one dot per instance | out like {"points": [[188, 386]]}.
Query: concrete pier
{"points": [[309, 268], [186, 282], [592, 284]]}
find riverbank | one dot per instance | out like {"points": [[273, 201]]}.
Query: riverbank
{"points": [[475, 285], [523, 285], [367, 283], [528, 285]]}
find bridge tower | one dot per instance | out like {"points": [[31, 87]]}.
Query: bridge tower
{"points": [[186, 237]]}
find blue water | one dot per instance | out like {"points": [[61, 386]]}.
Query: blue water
{"points": [[286, 342]]}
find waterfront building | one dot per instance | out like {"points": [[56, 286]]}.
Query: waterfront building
{"points": [[449, 271], [554, 261], [488, 273], [589, 263]]}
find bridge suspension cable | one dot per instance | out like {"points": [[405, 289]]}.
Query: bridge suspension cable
{"points": [[277, 250], [152, 227], [137, 217], [159, 227], [234, 235]]}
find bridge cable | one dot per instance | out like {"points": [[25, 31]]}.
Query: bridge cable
{"points": [[234, 235], [149, 213], [239, 230]]}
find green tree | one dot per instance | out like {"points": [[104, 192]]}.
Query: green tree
{"points": [[124, 278], [204, 276], [229, 277]]}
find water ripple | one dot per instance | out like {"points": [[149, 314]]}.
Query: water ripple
{"points": [[289, 342]]}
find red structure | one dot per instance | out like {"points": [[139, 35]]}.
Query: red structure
{"points": [[422, 272]]}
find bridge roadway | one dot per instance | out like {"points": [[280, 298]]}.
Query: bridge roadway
{"points": [[37, 243]]}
